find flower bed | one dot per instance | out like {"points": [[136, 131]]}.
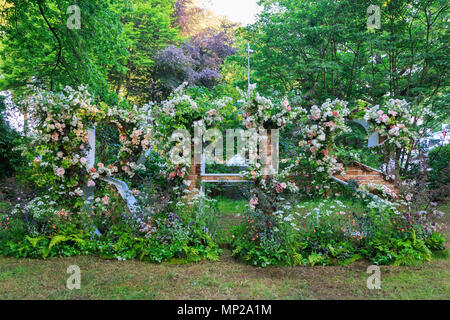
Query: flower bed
{"points": [[173, 219]]}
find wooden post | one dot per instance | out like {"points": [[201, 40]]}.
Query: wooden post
{"points": [[88, 192]]}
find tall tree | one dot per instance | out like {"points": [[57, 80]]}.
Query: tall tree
{"points": [[148, 27], [325, 49], [41, 46]]}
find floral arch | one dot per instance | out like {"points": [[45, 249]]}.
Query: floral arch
{"points": [[66, 137], [62, 153]]}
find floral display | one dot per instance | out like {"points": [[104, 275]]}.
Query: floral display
{"points": [[400, 127], [174, 218], [322, 125], [181, 112], [395, 121], [60, 144], [263, 113]]}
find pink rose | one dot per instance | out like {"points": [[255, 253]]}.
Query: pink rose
{"points": [[392, 112], [105, 200], [60, 172], [253, 202]]}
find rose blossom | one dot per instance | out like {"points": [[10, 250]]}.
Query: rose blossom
{"points": [[60, 172], [392, 112], [253, 202], [105, 200]]}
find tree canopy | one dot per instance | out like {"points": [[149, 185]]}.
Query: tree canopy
{"points": [[325, 49]]}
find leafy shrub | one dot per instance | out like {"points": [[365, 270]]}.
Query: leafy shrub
{"points": [[9, 138], [259, 241], [41, 229], [439, 162], [332, 234]]}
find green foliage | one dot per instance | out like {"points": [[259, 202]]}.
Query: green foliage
{"points": [[435, 241], [38, 45], [329, 235], [257, 241], [147, 28], [39, 230], [9, 138], [439, 162], [325, 49]]}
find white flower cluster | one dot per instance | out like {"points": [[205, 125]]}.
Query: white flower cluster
{"points": [[60, 140], [260, 112], [397, 123], [320, 129]]}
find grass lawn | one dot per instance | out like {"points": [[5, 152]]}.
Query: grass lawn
{"points": [[225, 279]]}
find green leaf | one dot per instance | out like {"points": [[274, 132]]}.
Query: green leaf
{"points": [[57, 239], [34, 241]]}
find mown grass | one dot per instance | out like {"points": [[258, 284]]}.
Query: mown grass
{"points": [[224, 279], [228, 215]]}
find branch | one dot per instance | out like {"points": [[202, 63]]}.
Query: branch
{"points": [[58, 58]]}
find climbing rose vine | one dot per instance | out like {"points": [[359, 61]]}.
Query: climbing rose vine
{"points": [[396, 121], [59, 146], [321, 125], [263, 113]]}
